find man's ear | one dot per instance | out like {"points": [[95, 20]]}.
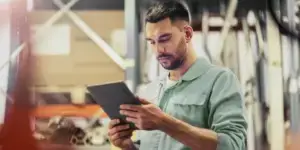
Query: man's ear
{"points": [[188, 33]]}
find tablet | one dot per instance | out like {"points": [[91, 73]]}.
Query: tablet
{"points": [[111, 96]]}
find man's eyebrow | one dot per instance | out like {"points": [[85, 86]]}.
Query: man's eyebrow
{"points": [[148, 39], [161, 36]]}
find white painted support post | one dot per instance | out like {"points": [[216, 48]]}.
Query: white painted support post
{"points": [[275, 86]]}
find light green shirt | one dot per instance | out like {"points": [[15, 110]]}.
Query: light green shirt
{"points": [[206, 96]]}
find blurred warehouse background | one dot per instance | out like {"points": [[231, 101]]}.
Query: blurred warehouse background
{"points": [[82, 42]]}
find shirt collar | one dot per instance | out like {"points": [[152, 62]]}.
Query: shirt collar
{"points": [[200, 66]]}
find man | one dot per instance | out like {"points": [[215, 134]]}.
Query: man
{"points": [[196, 106]]}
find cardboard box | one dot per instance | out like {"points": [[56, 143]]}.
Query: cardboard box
{"points": [[84, 63]]}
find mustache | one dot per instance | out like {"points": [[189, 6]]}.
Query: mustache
{"points": [[164, 55]]}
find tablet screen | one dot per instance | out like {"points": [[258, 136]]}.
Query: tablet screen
{"points": [[111, 96]]}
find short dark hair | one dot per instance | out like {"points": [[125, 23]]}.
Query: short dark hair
{"points": [[173, 9]]}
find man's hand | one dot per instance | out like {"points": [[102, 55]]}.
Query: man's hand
{"points": [[120, 135], [145, 117]]}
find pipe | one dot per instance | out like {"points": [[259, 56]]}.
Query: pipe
{"points": [[260, 39], [205, 29], [225, 30]]}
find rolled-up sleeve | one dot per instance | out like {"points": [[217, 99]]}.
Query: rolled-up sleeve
{"points": [[227, 115]]}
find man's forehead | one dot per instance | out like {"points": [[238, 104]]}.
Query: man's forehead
{"points": [[156, 33], [154, 30]]}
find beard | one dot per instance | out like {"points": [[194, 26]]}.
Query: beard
{"points": [[171, 62]]}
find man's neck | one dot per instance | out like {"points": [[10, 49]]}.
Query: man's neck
{"points": [[178, 73]]}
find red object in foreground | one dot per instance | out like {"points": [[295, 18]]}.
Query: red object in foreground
{"points": [[16, 131]]}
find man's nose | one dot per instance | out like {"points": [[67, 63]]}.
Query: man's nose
{"points": [[159, 48]]}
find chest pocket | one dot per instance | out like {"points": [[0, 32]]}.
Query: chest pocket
{"points": [[190, 109]]}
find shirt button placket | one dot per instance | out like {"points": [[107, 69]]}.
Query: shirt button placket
{"points": [[156, 141]]}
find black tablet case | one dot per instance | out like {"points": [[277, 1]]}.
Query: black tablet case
{"points": [[111, 96]]}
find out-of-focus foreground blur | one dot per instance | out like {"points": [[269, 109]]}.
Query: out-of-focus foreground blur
{"points": [[75, 43]]}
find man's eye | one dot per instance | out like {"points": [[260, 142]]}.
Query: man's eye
{"points": [[164, 39]]}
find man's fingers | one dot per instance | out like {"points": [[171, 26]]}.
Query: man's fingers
{"points": [[133, 120], [119, 140], [113, 123], [118, 135], [127, 113], [117, 129], [130, 107]]}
